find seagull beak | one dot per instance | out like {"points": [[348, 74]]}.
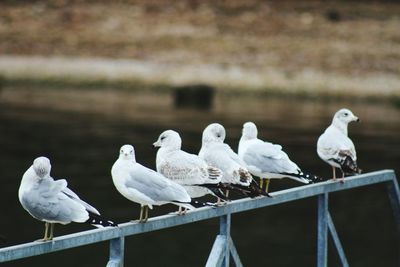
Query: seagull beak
{"points": [[156, 144], [356, 119]]}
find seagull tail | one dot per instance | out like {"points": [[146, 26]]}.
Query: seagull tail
{"points": [[99, 221], [349, 167], [303, 177], [253, 190], [217, 190]]}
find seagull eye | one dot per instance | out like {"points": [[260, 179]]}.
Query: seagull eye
{"points": [[162, 138], [121, 151], [346, 114]]}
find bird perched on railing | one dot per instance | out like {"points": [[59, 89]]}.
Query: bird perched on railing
{"points": [[188, 170], [52, 201], [267, 160], [216, 153], [336, 148], [145, 186]]}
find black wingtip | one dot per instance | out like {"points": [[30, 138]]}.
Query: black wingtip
{"points": [[350, 167], [315, 179], [99, 221], [252, 191], [311, 178], [218, 193], [256, 191], [199, 204]]}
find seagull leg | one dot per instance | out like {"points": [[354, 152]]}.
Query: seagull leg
{"points": [[342, 179], [46, 231], [141, 213], [227, 193], [181, 211], [51, 231], [267, 181], [146, 217], [220, 202], [261, 183], [334, 173]]}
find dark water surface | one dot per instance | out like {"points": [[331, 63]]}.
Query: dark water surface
{"points": [[82, 131]]}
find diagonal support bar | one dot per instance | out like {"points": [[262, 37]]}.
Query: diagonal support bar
{"points": [[336, 241], [217, 254], [394, 196], [223, 246], [234, 253]]}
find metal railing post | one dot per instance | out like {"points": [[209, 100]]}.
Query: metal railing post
{"points": [[117, 246], [322, 243], [394, 196], [225, 231], [220, 252]]}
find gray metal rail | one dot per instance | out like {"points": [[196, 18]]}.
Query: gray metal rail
{"points": [[223, 247]]}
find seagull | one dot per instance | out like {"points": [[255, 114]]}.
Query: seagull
{"points": [[264, 159], [216, 153], [188, 170], [336, 148], [52, 201], [145, 186]]}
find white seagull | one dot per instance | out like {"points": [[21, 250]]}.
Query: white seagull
{"points": [[267, 160], [188, 170], [51, 201], [145, 186], [216, 153], [336, 148]]}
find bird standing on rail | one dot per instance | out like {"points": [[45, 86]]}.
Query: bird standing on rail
{"points": [[267, 160], [336, 148], [145, 186], [188, 170], [52, 201], [216, 153]]}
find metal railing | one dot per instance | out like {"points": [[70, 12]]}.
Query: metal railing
{"points": [[223, 249]]}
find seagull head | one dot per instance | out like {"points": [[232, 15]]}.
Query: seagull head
{"points": [[41, 166], [345, 116], [249, 131], [127, 152], [214, 132], [169, 139]]}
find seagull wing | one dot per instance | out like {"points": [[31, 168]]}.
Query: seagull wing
{"points": [[334, 146], [268, 157], [71, 194], [47, 202], [233, 168], [155, 186], [186, 169]]}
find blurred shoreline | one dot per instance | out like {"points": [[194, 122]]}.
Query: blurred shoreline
{"points": [[310, 48], [143, 75]]}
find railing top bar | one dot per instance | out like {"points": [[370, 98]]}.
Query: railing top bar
{"points": [[166, 221]]}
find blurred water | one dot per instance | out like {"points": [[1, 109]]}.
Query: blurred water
{"points": [[81, 132]]}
